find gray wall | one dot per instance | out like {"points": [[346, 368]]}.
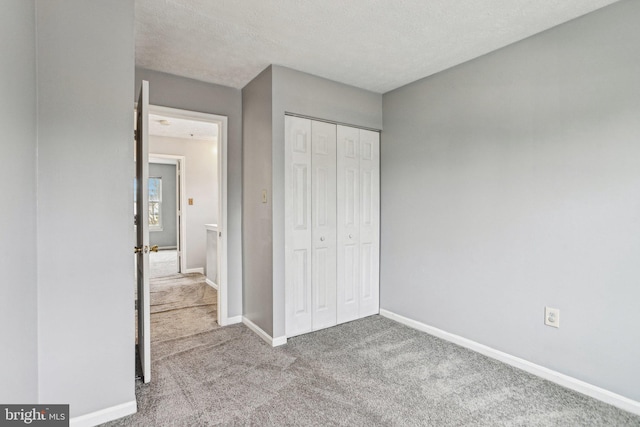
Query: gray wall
{"points": [[168, 235], [179, 92], [18, 302], [265, 100], [85, 228], [257, 216], [512, 182]]}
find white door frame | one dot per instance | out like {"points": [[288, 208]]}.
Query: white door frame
{"points": [[222, 122], [181, 164]]}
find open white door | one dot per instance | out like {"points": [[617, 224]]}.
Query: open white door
{"points": [[142, 227]]}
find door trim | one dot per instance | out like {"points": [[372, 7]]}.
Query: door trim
{"points": [[333, 122], [222, 122]]}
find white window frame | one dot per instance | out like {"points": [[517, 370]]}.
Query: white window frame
{"points": [[159, 226]]}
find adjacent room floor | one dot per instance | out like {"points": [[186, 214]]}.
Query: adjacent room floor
{"points": [[181, 305], [163, 263], [372, 371]]}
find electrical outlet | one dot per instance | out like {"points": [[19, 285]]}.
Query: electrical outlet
{"points": [[552, 317]]}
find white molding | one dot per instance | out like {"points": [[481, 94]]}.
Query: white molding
{"points": [[258, 330], [163, 159], [273, 342], [222, 228], [181, 219], [104, 415], [194, 270], [278, 341], [180, 113], [233, 320], [572, 383], [211, 283]]}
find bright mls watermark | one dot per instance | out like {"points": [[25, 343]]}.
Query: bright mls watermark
{"points": [[34, 415]]}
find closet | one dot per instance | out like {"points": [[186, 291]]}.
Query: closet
{"points": [[332, 205]]}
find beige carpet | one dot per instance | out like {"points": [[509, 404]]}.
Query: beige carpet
{"points": [[181, 305], [163, 263]]}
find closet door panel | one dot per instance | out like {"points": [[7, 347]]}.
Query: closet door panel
{"points": [[369, 223], [298, 226], [323, 217], [348, 223]]}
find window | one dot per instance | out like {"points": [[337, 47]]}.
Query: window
{"points": [[155, 203]]}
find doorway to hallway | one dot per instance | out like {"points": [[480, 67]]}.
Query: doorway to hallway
{"points": [[197, 144], [200, 142]]}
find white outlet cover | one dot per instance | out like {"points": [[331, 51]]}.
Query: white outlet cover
{"points": [[552, 317]]}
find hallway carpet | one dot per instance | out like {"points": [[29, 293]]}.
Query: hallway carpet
{"points": [[181, 305], [163, 263], [370, 372]]}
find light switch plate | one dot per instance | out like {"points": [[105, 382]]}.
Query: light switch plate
{"points": [[264, 196]]}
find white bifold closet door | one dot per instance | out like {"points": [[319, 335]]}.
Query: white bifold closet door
{"points": [[310, 218], [331, 224], [323, 229], [358, 176]]}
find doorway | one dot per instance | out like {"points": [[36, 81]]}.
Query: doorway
{"points": [[197, 126], [190, 259], [166, 205]]}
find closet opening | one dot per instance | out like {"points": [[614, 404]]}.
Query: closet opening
{"points": [[332, 239]]}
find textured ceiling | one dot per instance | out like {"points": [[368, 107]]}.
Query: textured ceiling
{"points": [[373, 44], [182, 128]]}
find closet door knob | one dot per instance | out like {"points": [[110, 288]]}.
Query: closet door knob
{"points": [[322, 239], [351, 236]]}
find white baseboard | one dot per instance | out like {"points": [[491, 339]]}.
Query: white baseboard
{"points": [[194, 270], [556, 377], [278, 341], [233, 320], [273, 342], [213, 285], [104, 415]]}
